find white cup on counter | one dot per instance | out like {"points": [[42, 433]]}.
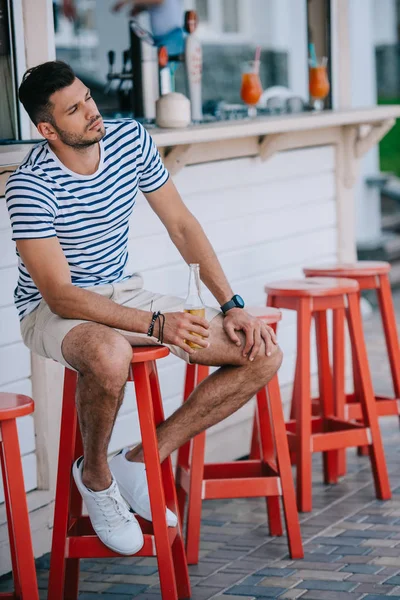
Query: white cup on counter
{"points": [[173, 111]]}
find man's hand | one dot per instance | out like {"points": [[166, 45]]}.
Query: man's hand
{"points": [[179, 328], [255, 330]]}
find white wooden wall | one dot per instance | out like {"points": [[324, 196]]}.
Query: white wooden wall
{"points": [[265, 221], [15, 362]]}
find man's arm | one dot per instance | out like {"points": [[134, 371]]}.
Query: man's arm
{"points": [[49, 269], [190, 239], [193, 244]]}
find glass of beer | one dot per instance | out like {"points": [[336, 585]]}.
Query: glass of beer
{"points": [[194, 303]]}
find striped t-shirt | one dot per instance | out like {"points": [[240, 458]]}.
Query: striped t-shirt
{"points": [[89, 214]]}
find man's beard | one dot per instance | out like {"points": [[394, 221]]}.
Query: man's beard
{"points": [[78, 141]]}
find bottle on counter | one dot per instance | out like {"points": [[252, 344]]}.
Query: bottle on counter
{"points": [[194, 303], [194, 65]]}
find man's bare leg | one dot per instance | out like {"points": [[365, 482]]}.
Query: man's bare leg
{"points": [[220, 395], [102, 358]]}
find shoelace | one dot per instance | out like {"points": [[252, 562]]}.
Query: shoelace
{"points": [[113, 509]]}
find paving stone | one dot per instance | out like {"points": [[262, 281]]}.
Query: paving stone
{"points": [[351, 550], [377, 588], [392, 581], [340, 541], [221, 580], [271, 572], [287, 582], [316, 566], [292, 594], [365, 569], [319, 557], [325, 575], [255, 592], [387, 561], [324, 595], [131, 570], [352, 559], [364, 578], [200, 593], [333, 586], [367, 533], [123, 578], [133, 589]]}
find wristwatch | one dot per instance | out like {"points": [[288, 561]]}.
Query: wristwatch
{"points": [[235, 302]]}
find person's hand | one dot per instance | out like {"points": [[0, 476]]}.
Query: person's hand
{"points": [[120, 4], [179, 328], [255, 331]]}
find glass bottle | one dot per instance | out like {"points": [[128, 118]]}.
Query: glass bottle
{"points": [[194, 303]]}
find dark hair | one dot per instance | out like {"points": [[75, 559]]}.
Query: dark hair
{"points": [[39, 83]]}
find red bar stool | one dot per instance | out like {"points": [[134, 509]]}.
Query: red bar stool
{"points": [[329, 432], [13, 406], [268, 476], [73, 535], [371, 276]]}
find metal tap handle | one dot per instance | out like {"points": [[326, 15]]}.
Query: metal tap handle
{"points": [[111, 60]]}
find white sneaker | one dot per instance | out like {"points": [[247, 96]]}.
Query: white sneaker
{"points": [[112, 520], [132, 482]]}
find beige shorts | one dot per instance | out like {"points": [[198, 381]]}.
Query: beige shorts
{"points": [[43, 331]]}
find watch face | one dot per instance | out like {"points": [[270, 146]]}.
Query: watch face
{"points": [[238, 300]]}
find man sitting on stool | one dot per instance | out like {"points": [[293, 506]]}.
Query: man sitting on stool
{"points": [[69, 203]]}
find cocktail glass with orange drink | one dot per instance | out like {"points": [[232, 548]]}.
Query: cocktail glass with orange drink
{"points": [[251, 89], [318, 83]]}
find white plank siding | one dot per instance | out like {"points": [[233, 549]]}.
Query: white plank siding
{"points": [[265, 221], [15, 363]]}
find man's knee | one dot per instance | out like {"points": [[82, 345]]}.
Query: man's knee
{"points": [[267, 366], [105, 355]]}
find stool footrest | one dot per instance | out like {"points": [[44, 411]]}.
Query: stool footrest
{"points": [[331, 434], [385, 406], [82, 542], [241, 479], [7, 596]]}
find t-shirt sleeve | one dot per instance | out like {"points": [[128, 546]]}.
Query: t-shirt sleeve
{"points": [[31, 207], [152, 174]]}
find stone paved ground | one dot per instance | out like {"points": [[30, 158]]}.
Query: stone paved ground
{"points": [[351, 540]]}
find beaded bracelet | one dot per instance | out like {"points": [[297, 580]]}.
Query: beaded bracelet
{"points": [[160, 318]]}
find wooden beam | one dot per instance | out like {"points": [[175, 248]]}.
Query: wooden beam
{"points": [[375, 134], [176, 158]]}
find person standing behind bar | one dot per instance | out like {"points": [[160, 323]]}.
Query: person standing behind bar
{"points": [[166, 20]]}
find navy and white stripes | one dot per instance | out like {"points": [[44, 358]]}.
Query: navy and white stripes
{"points": [[89, 214]]}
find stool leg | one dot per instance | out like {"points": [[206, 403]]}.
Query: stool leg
{"points": [[154, 479], [63, 490], [184, 451], [339, 376], [7, 501], [72, 566], [193, 523], [255, 442], [17, 513], [390, 328], [268, 457], [325, 391], [303, 422], [368, 404], [285, 470], [178, 549]]}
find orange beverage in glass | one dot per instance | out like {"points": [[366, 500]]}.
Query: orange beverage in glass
{"points": [[318, 85], [251, 89]]}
